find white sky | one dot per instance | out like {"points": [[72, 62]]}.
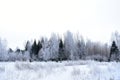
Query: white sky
{"points": [[22, 20]]}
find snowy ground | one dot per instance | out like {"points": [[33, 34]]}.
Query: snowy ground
{"points": [[72, 70]]}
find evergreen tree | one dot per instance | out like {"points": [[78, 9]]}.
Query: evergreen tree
{"points": [[39, 46], [114, 52], [28, 46], [34, 50], [62, 55], [10, 50], [18, 50]]}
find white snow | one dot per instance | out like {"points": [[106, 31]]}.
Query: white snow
{"points": [[66, 70]]}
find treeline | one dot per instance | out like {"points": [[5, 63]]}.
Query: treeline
{"points": [[69, 47]]}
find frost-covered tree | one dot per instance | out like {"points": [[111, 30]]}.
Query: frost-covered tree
{"points": [[50, 48], [44, 53], [28, 51], [28, 46], [3, 52], [97, 51], [26, 56], [54, 47], [19, 55], [12, 56], [39, 46], [15, 56], [89, 46], [80, 43], [70, 48]]}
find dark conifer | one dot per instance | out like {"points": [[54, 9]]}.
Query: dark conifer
{"points": [[113, 51]]}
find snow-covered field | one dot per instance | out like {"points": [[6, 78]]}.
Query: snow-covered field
{"points": [[67, 70]]}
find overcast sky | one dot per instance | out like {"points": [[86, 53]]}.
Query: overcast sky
{"points": [[22, 20]]}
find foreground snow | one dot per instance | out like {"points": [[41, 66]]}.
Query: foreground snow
{"points": [[72, 70]]}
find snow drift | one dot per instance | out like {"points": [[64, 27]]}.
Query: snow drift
{"points": [[66, 70]]}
